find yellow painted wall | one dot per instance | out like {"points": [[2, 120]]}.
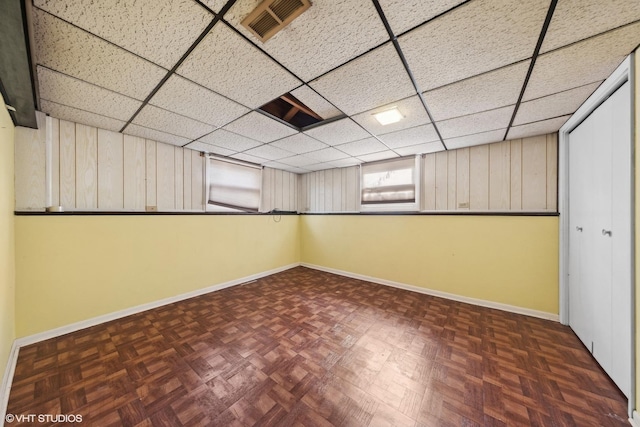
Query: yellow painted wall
{"points": [[72, 268], [7, 243], [506, 259]]}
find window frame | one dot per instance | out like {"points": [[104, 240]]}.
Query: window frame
{"points": [[393, 206], [222, 208]]}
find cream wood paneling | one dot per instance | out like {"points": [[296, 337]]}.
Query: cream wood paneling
{"points": [[552, 172], [516, 174], [30, 166], [534, 173], [67, 164], [110, 170], [86, 167], [279, 190], [479, 178], [134, 173], [197, 181], [186, 170], [55, 161], [451, 179], [330, 190], [165, 177], [150, 174], [179, 178], [429, 182], [352, 180], [500, 176], [442, 163], [462, 179]]}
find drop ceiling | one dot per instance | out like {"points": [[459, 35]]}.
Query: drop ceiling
{"points": [[462, 73]]}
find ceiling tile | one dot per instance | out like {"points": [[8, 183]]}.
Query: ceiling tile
{"points": [[299, 144], [411, 136], [226, 63], [364, 146], [411, 108], [326, 155], [383, 155], [155, 135], [215, 5], [71, 114], [430, 147], [479, 36], [374, 79], [160, 31], [487, 91], [345, 163], [76, 93], [229, 140], [320, 166], [189, 99], [476, 123], [326, 35], [72, 51], [317, 103], [574, 20], [406, 14], [282, 166], [260, 127], [249, 158], [166, 121], [208, 148], [476, 139], [555, 105], [538, 128], [582, 63], [338, 132], [298, 161], [269, 152]]}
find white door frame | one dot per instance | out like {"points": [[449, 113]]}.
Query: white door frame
{"points": [[621, 75]]}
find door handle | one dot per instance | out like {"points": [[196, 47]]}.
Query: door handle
{"points": [[578, 228], [606, 232]]}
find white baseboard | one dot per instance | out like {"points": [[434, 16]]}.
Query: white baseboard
{"points": [[446, 295], [635, 419], [7, 379]]}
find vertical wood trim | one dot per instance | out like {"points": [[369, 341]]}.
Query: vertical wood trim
{"points": [[429, 176], [313, 192], [353, 188], [534, 173], [516, 175], [67, 165], [197, 181], [151, 199], [322, 189], [441, 180], [336, 203], [552, 172], [278, 184], [500, 176], [479, 177], [462, 180], [179, 177], [293, 191], [134, 149], [186, 170], [86, 167], [55, 161], [30, 166], [452, 156], [110, 170], [265, 195], [165, 176]]}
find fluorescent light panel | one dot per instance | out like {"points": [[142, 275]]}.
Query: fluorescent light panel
{"points": [[387, 117]]}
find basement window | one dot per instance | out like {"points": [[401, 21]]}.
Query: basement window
{"points": [[291, 110], [390, 185], [233, 187]]}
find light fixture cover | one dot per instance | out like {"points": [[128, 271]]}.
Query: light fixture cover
{"points": [[389, 116]]}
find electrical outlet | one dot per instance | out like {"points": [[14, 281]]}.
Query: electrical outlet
{"points": [[151, 209], [464, 205]]}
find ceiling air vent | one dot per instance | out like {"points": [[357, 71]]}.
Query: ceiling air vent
{"points": [[272, 16]]}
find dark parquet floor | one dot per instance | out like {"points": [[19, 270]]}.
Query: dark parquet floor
{"points": [[308, 348]]}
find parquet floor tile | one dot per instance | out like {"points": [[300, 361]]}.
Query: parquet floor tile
{"points": [[309, 348]]}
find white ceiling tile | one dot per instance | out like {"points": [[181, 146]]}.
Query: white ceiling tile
{"points": [[487, 91], [574, 20], [411, 136], [538, 128], [476, 123], [249, 158], [406, 14], [320, 166], [166, 121], [328, 34], [189, 99], [374, 79], [299, 144], [479, 36], [345, 163], [430, 147], [364, 146], [208, 148], [338, 132], [160, 31], [317, 103], [260, 127], [76, 93], [326, 155], [269, 152], [555, 105], [298, 161], [282, 166], [226, 63], [411, 108], [477, 139], [215, 5], [230, 140], [155, 135], [71, 114], [383, 155], [72, 51], [585, 62]]}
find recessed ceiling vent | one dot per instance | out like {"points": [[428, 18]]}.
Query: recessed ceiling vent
{"points": [[271, 16]]}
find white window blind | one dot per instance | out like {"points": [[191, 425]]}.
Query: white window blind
{"points": [[389, 182], [233, 186]]}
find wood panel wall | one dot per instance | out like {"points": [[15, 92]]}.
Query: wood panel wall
{"points": [[279, 190], [331, 190]]}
